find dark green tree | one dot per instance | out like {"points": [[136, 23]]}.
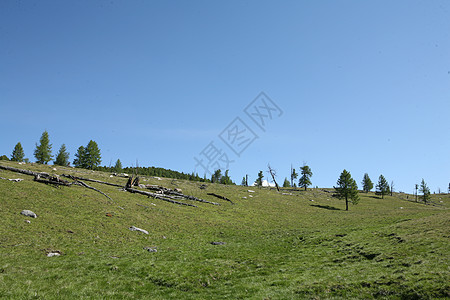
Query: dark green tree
{"points": [[226, 179], [62, 158], [305, 179], [294, 176], [367, 183], [347, 188], [93, 156], [80, 158], [4, 157], [215, 178], [43, 151], [17, 154], [286, 183], [425, 190], [259, 180], [382, 186], [244, 181], [118, 166]]}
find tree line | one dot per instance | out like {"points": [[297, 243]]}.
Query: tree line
{"points": [[89, 157]]}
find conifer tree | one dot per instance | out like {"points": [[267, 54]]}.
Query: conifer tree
{"points": [[4, 157], [18, 154], [305, 180], [259, 179], [382, 186], [62, 158], [286, 183], [215, 178], [118, 166], [425, 190], [93, 156], [347, 188], [367, 183], [43, 151], [244, 181], [80, 158], [294, 176]]}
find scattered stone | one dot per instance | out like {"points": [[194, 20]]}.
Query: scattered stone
{"points": [[251, 196], [401, 207], [27, 221], [157, 178], [54, 169], [218, 243], [142, 186], [151, 249], [133, 228], [28, 213], [178, 190], [244, 197], [51, 253], [311, 200], [251, 191], [164, 237]]}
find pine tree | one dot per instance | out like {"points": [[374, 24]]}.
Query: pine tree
{"points": [[367, 183], [118, 166], [294, 176], [4, 157], [347, 188], [215, 178], [93, 156], [244, 181], [286, 183], [425, 191], [80, 158], [62, 158], [43, 151], [259, 179], [226, 179], [305, 180], [18, 154], [382, 186]]}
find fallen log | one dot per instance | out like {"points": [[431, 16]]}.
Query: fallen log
{"points": [[156, 196], [167, 191], [220, 197], [79, 182], [91, 180], [26, 172]]}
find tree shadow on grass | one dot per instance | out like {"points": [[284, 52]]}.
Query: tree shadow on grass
{"points": [[325, 207]]}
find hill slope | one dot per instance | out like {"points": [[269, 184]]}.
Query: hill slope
{"points": [[276, 246]]}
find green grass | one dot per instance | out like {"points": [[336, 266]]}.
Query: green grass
{"points": [[277, 246]]}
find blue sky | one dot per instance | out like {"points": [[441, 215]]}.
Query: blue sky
{"points": [[362, 85]]}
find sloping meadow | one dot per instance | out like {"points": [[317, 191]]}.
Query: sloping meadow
{"points": [[264, 245]]}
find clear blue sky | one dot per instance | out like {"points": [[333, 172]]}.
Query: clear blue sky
{"points": [[362, 85]]}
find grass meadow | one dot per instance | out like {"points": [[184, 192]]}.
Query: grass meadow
{"points": [[289, 245]]}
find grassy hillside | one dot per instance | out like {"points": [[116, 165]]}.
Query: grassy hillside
{"points": [[297, 245]]}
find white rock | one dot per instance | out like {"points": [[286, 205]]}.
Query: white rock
{"points": [[133, 228], [51, 254], [251, 191], [28, 213], [251, 196], [244, 197]]}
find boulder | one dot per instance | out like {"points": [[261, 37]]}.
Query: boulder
{"points": [[28, 213]]}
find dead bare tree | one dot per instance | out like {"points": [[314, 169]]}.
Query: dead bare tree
{"points": [[273, 174]]}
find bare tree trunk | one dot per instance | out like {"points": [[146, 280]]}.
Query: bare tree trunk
{"points": [[273, 174]]}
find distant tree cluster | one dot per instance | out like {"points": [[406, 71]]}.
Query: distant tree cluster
{"points": [[88, 157]]}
